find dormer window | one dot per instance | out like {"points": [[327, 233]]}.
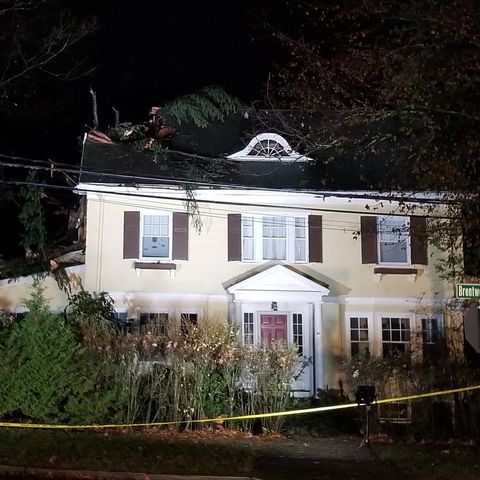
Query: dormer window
{"points": [[268, 147]]}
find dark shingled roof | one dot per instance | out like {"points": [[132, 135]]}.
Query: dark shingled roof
{"points": [[103, 163]]}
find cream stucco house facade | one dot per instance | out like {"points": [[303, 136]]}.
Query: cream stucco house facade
{"points": [[336, 273]]}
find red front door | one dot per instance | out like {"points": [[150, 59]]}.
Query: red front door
{"points": [[273, 327]]}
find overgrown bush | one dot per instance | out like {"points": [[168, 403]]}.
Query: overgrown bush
{"points": [[45, 374], [83, 367], [408, 374]]}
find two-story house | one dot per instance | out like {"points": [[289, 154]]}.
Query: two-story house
{"points": [[336, 273]]}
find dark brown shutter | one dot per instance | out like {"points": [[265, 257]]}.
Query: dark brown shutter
{"points": [[471, 326], [180, 236], [368, 237], [315, 250], [234, 237], [418, 239], [131, 234]]}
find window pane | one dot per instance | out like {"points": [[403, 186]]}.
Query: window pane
{"points": [[274, 238], [247, 226], [395, 336], [248, 249], [359, 344], [274, 249], [393, 239], [300, 227], [298, 331], [156, 236], [300, 250], [248, 329], [248, 243], [156, 247], [187, 321]]}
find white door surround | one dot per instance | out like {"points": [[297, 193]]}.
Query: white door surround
{"points": [[284, 291]]}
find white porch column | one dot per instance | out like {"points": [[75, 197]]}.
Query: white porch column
{"points": [[319, 350]]}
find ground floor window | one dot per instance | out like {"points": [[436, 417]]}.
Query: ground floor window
{"points": [[154, 323], [391, 335], [431, 338], [187, 321], [359, 338], [298, 331], [248, 338], [395, 412], [395, 336]]}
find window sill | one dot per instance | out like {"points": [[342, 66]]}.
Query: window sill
{"points": [[155, 266], [412, 273], [395, 271]]}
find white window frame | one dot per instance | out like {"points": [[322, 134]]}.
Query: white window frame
{"points": [[371, 332], [375, 331], [370, 329], [384, 418], [285, 153], [406, 220], [301, 335], [419, 331], [253, 333], [143, 214], [155, 312], [290, 236], [378, 321]]}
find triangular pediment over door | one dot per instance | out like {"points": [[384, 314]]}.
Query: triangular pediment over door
{"points": [[282, 280]]}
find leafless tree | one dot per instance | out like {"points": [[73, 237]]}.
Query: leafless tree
{"points": [[42, 42]]}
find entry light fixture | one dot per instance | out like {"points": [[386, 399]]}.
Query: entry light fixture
{"points": [[274, 306]]}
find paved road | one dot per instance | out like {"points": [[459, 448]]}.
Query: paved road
{"points": [[321, 459]]}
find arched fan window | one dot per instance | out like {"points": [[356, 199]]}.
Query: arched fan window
{"points": [[268, 147]]}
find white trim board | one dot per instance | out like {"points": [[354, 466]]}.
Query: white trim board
{"points": [[409, 301], [11, 282]]}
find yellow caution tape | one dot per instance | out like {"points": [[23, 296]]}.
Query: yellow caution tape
{"points": [[239, 417]]}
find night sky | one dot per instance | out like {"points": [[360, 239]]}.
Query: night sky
{"points": [[149, 52], [145, 53]]}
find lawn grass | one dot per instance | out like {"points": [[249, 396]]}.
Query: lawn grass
{"points": [[124, 451], [433, 461]]}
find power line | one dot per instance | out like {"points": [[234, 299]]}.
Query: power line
{"points": [[214, 202], [51, 167]]}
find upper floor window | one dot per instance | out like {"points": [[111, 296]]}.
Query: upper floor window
{"points": [[274, 238], [393, 240], [153, 235], [156, 231]]}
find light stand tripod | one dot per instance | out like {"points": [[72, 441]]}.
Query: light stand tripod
{"points": [[365, 395]]}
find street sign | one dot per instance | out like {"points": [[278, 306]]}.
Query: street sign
{"points": [[468, 290]]}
